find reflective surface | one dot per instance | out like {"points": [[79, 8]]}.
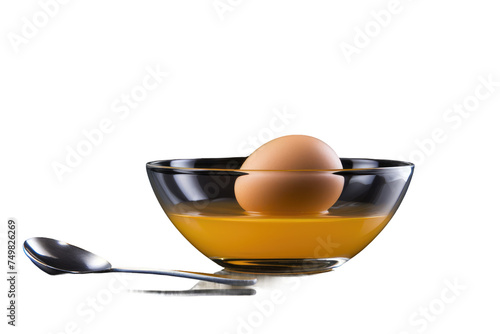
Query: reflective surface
{"points": [[198, 197], [57, 257]]}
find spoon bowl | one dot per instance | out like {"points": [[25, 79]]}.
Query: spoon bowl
{"points": [[58, 257]]}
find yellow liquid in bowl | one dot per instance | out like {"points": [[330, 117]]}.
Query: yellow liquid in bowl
{"points": [[222, 230]]}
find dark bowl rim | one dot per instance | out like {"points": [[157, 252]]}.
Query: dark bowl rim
{"points": [[397, 164]]}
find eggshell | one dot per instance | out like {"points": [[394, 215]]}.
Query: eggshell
{"points": [[274, 184]]}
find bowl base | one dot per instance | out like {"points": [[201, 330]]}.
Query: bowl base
{"points": [[280, 266]]}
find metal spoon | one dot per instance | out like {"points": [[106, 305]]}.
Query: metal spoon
{"points": [[56, 257]]}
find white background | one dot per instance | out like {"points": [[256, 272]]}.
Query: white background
{"points": [[231, 70]]}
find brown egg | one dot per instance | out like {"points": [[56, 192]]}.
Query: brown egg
{"points": [[274, 185]]}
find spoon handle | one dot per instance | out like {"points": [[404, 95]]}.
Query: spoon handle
{"points": [[222, 279]]}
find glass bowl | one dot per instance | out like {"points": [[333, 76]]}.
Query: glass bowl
{"points": [[199, 198]]}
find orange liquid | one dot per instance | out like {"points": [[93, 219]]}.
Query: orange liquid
{"points": [[222, 230]]}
